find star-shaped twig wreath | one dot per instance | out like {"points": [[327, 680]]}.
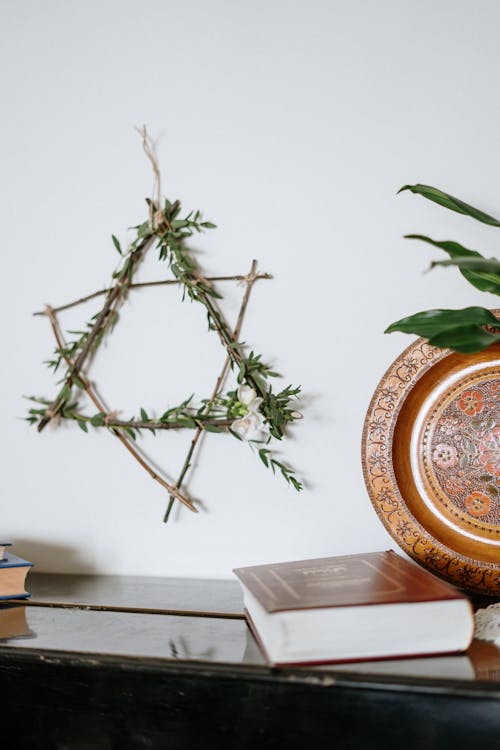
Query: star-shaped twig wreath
{"points": [[252, 412]]}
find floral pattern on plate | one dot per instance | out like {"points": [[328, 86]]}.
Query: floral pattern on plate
{"points": [[465, 452]]}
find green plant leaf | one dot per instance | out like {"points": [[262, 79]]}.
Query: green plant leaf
{"points": [[481, 278], [263, 456], [430, 323], [465, 339], [242, 372], [296, 484], [486, 265], [212, 428], [116, 244], [170, 239], [449, 201]]}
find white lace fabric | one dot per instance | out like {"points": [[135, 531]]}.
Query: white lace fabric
{"points": [[487, 624]]}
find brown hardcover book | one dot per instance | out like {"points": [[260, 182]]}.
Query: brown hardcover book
{"points": [[357, 607]]}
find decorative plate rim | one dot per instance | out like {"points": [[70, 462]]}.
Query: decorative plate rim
{"points": [[382, 486]]}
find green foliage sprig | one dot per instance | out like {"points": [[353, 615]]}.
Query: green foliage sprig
{"points": [[470, 329], [169, 232]]}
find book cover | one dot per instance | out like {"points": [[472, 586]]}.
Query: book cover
{"points": [[345, 581], [360, 607], [13, 572], [13, 561]]}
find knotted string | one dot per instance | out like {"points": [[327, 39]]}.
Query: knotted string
{"points": [[156, 216]]}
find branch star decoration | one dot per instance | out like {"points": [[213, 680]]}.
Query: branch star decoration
{"points": [[252, 412]]}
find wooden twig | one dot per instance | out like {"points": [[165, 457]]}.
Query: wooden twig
{"points": [[139, 424], [173, 490], [142, 284], [170, 232], [250, 279], [112, 298], [228, 340]]}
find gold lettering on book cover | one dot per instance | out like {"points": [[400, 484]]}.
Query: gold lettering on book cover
{"points": [[349, 582], [352, 573]]}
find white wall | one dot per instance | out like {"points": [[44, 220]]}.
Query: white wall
{"points": [[291, 125]]}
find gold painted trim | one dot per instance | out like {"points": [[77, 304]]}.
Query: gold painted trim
{"points": [[386, 497]]}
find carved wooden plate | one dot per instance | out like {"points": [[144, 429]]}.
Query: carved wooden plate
{"points": [[431, 461]]}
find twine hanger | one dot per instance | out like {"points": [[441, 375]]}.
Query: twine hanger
{"points": [[156, 216]]}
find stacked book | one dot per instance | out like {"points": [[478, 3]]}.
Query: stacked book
{"points": [[13, 572], [354, 608]]}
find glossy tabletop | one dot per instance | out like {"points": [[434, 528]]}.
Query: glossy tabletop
{"points": [[111, 662], [155, 618], [186, 595]]}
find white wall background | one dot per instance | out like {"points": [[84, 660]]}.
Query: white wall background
{"points": [[291, 125]]}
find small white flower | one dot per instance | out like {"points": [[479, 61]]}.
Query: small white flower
{"points": [[248, 398], [246, 395], [251, 426]]}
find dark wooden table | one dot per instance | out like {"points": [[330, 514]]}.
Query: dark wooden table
{"points": [[115, 662]]}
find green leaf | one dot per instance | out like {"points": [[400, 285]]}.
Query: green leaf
{"points": [[82, 425], [263, 457], [433, 322], [486, 265], [465, 339], [175, 209], [212, 428], [98, 419], [144, 415], [65, 392], [242, 372], [449, 201], [116, 244], [480, 277], [143, 230], [208, 225]]}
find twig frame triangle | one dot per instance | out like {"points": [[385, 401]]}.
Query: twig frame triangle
{"points": [[253, 413]]}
